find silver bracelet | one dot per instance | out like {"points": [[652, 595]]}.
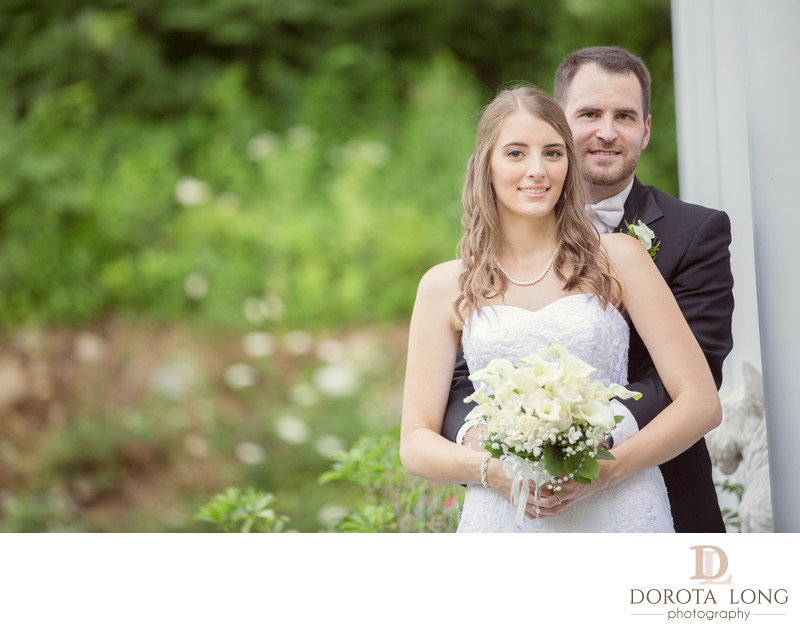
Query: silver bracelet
{"points": [[484, 467]]}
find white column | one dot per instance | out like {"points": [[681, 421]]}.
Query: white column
{"points": [[736, 92], [772, 53], [713, 153]]}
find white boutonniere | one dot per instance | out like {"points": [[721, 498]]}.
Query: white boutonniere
{"points": [[639, 230]]}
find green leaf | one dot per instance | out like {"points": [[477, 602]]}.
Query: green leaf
{"points": [[552, 460], [604, 454], [590, 469], [573, 463]]}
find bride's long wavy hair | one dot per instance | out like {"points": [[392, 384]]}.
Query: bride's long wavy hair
{"points": [[581, 262]]}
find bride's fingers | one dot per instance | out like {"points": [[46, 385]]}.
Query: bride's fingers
{"points": [[542, 509]]}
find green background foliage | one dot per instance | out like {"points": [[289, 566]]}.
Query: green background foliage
{"points": [[179, 175]]}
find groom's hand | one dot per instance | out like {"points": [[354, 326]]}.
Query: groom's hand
{"points": [[475, 436]]}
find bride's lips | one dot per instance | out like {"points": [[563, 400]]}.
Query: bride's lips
{"points": [[534, 191]]}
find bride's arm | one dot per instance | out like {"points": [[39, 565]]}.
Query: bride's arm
{"points": [[695, 408], [678, 358], [432, 345]]}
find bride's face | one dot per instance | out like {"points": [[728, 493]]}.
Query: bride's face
{"points": [[528, 166]]}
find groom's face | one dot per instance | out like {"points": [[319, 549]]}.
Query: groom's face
{"points": [[605, 113]]}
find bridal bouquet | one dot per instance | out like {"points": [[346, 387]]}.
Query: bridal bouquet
{"points": [[546, 419]]}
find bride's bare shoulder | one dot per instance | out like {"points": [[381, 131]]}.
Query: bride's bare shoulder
{"points": [[442, 279], [623, 249]]}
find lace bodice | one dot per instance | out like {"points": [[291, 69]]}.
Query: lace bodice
{"points": [[578, 322], [600, 337]]}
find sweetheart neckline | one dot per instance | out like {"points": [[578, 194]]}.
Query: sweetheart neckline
{"points": [[542, 308], [550, 304]]}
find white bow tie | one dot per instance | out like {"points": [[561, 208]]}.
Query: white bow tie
{"points": [[607, 214]]}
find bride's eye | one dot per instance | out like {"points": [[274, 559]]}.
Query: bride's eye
{"points": [[515, 153]]}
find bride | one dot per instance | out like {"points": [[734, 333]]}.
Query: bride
{"points": [[533, 270]]}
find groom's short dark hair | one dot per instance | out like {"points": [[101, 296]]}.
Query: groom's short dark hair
{"points": [[611, 59]]}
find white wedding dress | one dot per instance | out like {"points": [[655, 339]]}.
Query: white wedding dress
{"points": [[600, 337]]}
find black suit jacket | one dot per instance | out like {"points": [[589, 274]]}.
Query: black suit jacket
{"points": [[694, 259]]}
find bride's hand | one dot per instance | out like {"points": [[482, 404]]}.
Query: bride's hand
{"points": [[552, 503], [548, 505]]}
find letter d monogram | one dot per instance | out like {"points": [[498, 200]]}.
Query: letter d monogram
{"points": [[704, 565]]}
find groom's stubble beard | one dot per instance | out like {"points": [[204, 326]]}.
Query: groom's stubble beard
{"points": [[610, 175]]}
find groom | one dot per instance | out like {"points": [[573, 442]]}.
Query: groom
{"points": [[605, 93]]}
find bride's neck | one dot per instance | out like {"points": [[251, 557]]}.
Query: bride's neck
{"points": [[524, 247]]}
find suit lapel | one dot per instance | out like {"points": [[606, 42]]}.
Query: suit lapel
{"points": [[640, 206]]}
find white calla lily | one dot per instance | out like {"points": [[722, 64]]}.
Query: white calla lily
{"points": [[616, 390], [598, 415], [554, 412], [498, 371]]}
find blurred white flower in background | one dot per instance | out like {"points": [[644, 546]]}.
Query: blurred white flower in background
{"points": [[369, 152], [240, 376], [195, 286], [89, 348], [250, 453], [301, 137], [298, 342], [330, 514], [189, 191], [261, 145], [292, 430], [175, 377], [336, 380], [374, 153], [276, 310], [303, 394], [258, 344], [328, 445], [257, 309]]}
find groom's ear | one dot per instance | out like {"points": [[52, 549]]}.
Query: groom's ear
{"points": [[646, 138]]}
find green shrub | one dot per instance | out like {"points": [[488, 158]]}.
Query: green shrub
{"points": [[245, 511], [389, 499]]}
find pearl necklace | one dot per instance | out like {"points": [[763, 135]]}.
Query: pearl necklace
{"points": [[535, 280]]}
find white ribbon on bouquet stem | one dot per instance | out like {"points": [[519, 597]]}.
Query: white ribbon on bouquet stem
{"points": [[522, 472]]}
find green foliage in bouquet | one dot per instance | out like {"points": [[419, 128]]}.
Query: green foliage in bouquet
{"points": [[557, 462], [582, 469]]}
